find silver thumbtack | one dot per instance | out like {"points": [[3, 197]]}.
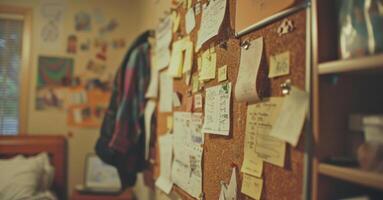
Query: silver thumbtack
{"points": [[286, 87]]}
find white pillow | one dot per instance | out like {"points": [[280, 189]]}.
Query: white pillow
{"points": [[22, 177]]}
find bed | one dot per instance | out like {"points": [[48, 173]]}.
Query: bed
{"points": [[54, 146]]}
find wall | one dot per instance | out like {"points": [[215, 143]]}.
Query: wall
{"points": [[54, 122]]}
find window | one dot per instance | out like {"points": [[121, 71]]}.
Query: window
{"points": [[12, 40]]}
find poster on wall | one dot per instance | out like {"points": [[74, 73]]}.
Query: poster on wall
{"points": [[51, 21], [53, 75]]}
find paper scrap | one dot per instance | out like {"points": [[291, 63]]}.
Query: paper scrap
{"points": [[229, 192], [279, 65], [163, 39], [217, 109], [176, 21], [164, 181], [252, 186], [149, 110], [152, 91], [211, 20], [196, 126], [259, 122], [176, 100], [208, 67], [189, 20], [246, 86], [198, 101], [169, 122], [195, 84], [197, 8], [166, 92], [222, 73], [288, 125]]}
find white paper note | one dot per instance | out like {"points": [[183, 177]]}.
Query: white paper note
{"points": [[212, 17], [189, 20], [176, 100], [163, 39], [246, 88], [149, 110], [164, 182], [166, 92], [288, 126], [198, 101], [152, 91], [217, 109], [229, 192]]}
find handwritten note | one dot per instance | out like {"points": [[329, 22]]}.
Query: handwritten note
{"points": [[246, 86], [252, 186], [252, 164], [163, 39], [259, 122], [212, 17], [149, 110], [222, 73], [164, 181], [196, 126], [288, 126], [217, 109], [189, 20], [198, 101], [279, 65], [208, 67], [166, 92]]}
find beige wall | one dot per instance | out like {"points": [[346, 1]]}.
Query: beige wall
{"points": [[54, 122]]}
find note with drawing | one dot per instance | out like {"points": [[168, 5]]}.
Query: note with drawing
{"points": [[259, 122], [246, 86], [279, 65], [288, 125], [212, 18], [217, 109]]}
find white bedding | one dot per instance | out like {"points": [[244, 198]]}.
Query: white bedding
{"points": [[26, 178]]}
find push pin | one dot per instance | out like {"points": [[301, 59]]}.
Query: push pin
{"points": [[245, 44], [286, 87], [286, 27]]}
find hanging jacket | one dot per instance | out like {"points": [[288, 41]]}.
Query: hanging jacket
{"points": [[121, 142]]}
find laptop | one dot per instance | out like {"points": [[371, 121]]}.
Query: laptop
{"points": [[99, 178]]}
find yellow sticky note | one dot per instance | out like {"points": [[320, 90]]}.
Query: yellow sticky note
{"points": [[176, 21], [252, 164], [279, 65], [222, 73], [209, 61], [199, 63], [252, 186], [181, 60], [169, 122]]}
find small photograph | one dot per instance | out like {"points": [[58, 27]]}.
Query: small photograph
{"points": [[82, 21]]}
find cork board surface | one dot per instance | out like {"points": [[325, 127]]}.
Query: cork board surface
{"points": [[221, 152]]}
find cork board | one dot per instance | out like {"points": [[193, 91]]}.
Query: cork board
{"points": [[221, 152]]}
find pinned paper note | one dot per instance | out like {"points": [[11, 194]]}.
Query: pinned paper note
{"points": [[176, 21], [246, 86], [152, 91], [260, 119], [279, 65], [197, 8], [164, 181], [229, 192], [252, 164], [195, 84], [166, 92], [149, 110], [176, 99], [189, 20], [169, 122], [208, 65], [222, 73], [181, 58], [163, 39], [252, 186], [217, 109], [212, 17], [288, 125], [198, 101]]}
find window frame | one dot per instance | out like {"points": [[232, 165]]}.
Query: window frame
{"points": [[25, 67]]}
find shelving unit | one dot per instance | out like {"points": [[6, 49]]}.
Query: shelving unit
{"points": [[340, 88]]}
